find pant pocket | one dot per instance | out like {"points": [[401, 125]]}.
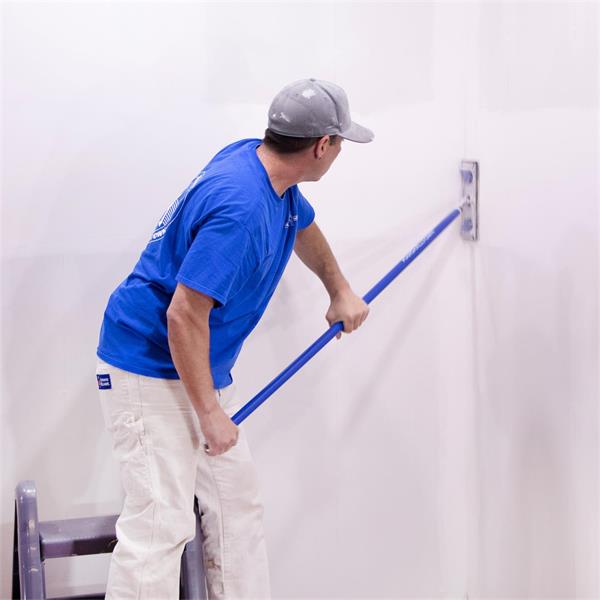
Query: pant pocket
{"points": [[132, 449], [229, 399]]}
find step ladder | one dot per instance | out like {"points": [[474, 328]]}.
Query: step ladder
{"points": [[36, 541]]}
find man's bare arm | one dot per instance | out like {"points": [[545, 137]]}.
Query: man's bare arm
{"points": [[189, 342], [314, 251]]}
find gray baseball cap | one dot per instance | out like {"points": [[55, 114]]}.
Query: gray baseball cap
{"points": [[313, 108]]}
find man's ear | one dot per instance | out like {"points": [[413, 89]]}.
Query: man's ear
{"points": [[321, 145]]}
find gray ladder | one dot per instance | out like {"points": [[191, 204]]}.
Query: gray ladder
{"points": [[35, 541]]}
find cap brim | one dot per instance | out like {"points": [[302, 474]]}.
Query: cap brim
{"points": [[358, 133]]}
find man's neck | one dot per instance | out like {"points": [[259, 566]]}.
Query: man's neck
{"points": [[282, 172]]}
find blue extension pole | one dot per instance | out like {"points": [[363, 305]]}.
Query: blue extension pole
{"points": [[297, 364]]}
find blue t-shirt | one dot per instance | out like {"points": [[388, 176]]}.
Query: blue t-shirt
{"points": [[228, 235]]}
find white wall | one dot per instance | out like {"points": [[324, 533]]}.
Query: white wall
{"points": [[448, 447]]}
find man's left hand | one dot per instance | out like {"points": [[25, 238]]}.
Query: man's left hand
{"points": [[346, 306]]}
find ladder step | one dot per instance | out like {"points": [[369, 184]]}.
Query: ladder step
{"points": [[84, 597], [77, 537]]}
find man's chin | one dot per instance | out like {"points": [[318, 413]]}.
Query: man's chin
{"points": [[314, 177]]}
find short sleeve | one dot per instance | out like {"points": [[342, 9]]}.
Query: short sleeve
{"points": [[306, 213], [220, 259]]}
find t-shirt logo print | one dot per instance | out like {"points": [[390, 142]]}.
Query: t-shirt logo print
{"points": [[169, 214], [292, 220]]}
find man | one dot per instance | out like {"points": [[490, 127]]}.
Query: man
{"points": [[173, 330]]}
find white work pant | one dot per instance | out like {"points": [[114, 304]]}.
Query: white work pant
{"points": [[160, 448]]}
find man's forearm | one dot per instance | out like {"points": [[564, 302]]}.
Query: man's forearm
{"points": [[314, 251], [189, 342]]}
